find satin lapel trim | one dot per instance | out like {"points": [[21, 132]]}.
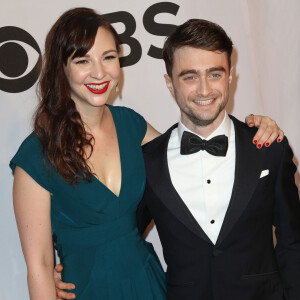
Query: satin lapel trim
{"points": [[248, 166], [162, 186]]}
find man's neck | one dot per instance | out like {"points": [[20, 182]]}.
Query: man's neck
{"points": [[204, 131]]}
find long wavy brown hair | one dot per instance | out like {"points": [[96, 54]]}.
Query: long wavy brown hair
{"points": [[57, 123]]}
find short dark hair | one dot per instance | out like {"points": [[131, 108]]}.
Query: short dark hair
{"points": [[196, 33]]}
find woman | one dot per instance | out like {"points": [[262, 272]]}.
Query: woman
{"points": [[80, 175]]}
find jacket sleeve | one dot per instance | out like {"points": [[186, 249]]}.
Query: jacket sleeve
{"points": [[287, 223], [143, 214]]}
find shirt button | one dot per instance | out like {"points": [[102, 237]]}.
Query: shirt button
{"points": [[208, 181], [212, 221]]}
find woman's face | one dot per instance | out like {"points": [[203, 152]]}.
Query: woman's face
{"points": [[94, 76]]}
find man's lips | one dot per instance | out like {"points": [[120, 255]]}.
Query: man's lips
{"points": [[98, 88], [204, 102]]}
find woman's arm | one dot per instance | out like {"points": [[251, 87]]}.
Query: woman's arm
{"points": [[151, 134], [32, 211], [268, 131]]}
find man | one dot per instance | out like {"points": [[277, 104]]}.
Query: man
{"points": [[214, 201], [214, 214]]}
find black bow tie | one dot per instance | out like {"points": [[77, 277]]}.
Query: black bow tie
{"points": [[191, 143]]}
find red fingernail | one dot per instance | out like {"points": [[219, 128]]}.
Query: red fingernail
{"points": [[255, 141], [278, 140], [267, 144], [259, 146]]}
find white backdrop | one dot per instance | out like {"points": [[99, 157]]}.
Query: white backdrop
{"points": [[266, 35]]}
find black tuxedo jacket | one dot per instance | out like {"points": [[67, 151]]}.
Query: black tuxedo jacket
{"points": [[243, 264]]}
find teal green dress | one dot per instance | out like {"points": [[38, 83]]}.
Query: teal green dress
{"points": [[95, 232]]}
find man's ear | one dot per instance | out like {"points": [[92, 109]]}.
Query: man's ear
{"points": [[231, 73], [169, 84]]}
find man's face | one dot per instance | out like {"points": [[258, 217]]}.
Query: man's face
{"points": [[200, 84]]}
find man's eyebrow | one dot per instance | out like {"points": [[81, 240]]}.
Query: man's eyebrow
{"points": [[193, 71], [186, 72], [214, 69]]}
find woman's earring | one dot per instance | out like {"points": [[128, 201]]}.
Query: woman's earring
{"points": [[117, 89]]}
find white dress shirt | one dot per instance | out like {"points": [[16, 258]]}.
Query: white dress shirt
{"points": [[203, 181]]}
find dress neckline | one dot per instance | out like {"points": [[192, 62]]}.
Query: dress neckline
{"points": [[96, 179]]}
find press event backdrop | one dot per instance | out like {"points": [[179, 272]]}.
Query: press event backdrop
{"points": [[266, 36]]}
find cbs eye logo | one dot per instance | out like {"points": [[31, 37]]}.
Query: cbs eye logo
{"points": [[20, 60]]}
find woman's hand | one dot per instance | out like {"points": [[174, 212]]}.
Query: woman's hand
{"points": [[268, 130]]}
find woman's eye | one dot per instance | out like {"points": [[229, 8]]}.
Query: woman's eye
{"points": [[82, 61], [109, 57]]}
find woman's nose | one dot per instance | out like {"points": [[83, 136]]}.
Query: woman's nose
{"points": [[97, 71]]}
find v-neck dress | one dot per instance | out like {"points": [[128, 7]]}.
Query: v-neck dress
{"points": [[95, 232]]}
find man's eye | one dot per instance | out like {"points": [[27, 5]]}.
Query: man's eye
{"points": [[189, 77], [215, 75]]}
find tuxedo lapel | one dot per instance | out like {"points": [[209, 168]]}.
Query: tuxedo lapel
{"points": [[158, 177], [248, 166]]}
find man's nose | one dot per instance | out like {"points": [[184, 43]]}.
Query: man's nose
{"points": [[204, 87]]}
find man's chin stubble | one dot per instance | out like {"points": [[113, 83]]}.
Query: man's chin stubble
{"points": [[200, 122]]}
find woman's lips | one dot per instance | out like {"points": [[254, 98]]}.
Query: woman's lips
{"points": [[98, 88]]}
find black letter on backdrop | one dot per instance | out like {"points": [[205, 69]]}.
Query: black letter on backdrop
{"points": [[14, 60], [126, 37], [156, 28]]}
